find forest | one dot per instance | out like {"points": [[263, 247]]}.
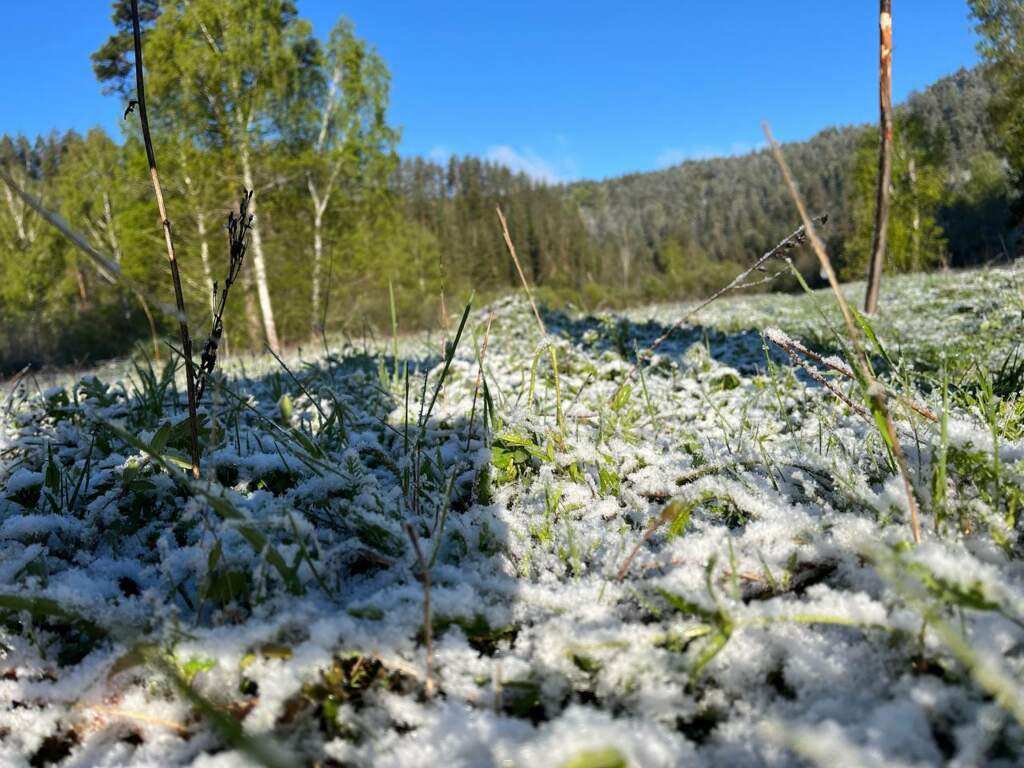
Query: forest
{"points": [[349, 236]]}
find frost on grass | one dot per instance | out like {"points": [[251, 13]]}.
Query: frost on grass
{"points": [[708, 564]]}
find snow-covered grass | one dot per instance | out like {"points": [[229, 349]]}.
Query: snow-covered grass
{"points": [[710, 566]]}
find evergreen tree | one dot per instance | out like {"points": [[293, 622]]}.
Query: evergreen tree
{"points": [[1000, 24]]}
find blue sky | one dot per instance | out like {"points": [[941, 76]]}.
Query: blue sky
{"points": [[560, 89]]}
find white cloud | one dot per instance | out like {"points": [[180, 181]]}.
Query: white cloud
{"points": [[526, 161], [440, 153], [676, 155]]}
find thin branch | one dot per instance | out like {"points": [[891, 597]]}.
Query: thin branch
{"points": [[186, 342], [107, 268]]}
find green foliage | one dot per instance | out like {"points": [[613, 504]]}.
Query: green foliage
{"points": [[1000, 26], [916, 240], [607, 757]]}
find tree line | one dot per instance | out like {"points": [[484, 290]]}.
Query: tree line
{"points": [[246, 96]]}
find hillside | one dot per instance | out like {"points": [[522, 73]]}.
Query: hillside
{"points": [[669, 233], [394, 560], [730, 206]]}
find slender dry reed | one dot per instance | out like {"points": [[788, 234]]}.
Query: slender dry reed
{"points": [[179, 299], [793, 240], [540, 322], [107, 268], [238, 240], [423, 571], [795, 350], [872, 389], [881, 230]]}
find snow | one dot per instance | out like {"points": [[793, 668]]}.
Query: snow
{"points": [[540, 653]]}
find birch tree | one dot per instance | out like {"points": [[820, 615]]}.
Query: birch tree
{"points": [[353, 151], [232, 76]]}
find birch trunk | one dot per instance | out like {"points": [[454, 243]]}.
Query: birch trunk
{"points": [[204, 255], [320, 201], [204, 244], [316, 326], [915, 220], [252, 313], [259, 264]]}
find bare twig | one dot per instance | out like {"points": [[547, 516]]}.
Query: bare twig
{"points": [[884, 158], [179, 299], [872, 389], [423, 570]]}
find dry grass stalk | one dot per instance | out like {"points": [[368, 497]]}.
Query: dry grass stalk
{"points": [[423, 572], [141, 717], [238, 231], [536, 314], [874, 391], [179, 299], [795, 349], [107, 268], [885, 127], [519, 269], [795, 239]]}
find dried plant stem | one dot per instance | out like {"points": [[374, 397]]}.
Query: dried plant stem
{"points": [[540, 322], [423, 569], [873, 390], [794, 348], [794, 239], [238, 231], [142, 717], [885, 127], [479, 380], [108, 269], [179, 299]]}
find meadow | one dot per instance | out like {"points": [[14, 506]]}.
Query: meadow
{"points": [[531, 542]]}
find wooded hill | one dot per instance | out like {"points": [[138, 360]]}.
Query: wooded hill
{"points": [[684, 230]]}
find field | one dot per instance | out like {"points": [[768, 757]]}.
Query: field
{"points": [[710, 565]]}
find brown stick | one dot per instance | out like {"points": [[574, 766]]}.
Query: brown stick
{"points": [[884, 158], [179, 299], [874, 391]]}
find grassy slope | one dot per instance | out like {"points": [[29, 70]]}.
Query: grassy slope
{"points": [[774, 600]]}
